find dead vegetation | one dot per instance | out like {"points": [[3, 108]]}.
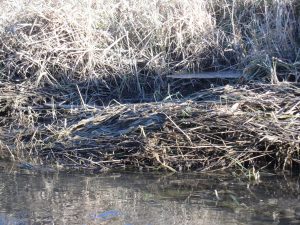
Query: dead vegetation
{"points": [[226, 127], [129, 46], [67, 68]]}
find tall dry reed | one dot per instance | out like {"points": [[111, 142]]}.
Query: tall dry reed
{"points": [[126, 43]]}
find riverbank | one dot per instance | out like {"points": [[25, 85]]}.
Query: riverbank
{"points": [[226, 127], [100, 84]]}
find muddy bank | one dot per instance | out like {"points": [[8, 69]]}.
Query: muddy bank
{"points": [[226, 127]]}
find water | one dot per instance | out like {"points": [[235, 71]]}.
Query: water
{"points": [[145, 198]]}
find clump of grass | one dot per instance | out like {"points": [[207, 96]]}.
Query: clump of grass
{"points": [[60, 60], [130, 45], [229, 127], [115, 38]]}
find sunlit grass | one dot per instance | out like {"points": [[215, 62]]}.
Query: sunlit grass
{"points": [[51, 41]]}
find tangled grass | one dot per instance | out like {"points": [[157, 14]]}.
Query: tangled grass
{"points": [[227, 127], [63, 65], [131, 45]]}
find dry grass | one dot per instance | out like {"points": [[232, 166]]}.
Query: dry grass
{"points": [[130, 45], [228, 127], [60, 60]]}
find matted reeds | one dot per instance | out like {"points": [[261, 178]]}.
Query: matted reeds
{"points": [[226, 127], [65, 66]]}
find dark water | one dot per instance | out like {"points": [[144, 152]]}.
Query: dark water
{"points": [[145, 198]]}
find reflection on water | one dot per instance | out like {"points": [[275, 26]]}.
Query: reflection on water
{"points": [[140, 198]]}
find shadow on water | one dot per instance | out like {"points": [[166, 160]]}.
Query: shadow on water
{"points": [[145, 198]]}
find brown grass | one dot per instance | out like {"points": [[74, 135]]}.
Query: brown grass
{"points": [[63, 64], [228, 127], [126, 42]]}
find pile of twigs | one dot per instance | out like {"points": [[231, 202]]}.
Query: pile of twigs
{"points": [[226, 127]]}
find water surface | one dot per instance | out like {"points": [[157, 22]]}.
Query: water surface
{"points": [[145, 198]]}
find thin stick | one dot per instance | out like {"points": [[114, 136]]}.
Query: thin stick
{"points": [[179, 129], [81, 99]]}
